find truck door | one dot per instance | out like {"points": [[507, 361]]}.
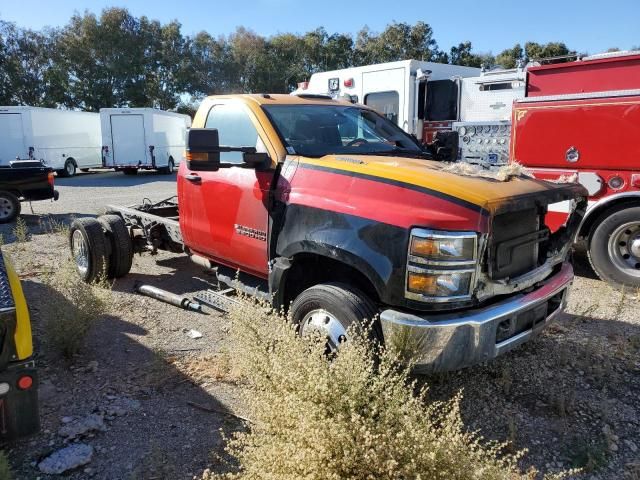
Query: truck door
{"points": [[384, 91], [224, 214], [11, 138], [128, 139]]}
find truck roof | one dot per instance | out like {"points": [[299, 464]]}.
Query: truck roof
{"points": [[282, 99]]}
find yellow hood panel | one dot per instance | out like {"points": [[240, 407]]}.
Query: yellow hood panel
{"points": [[487, 193]]}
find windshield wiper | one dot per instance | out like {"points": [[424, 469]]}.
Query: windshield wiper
{"points": [[406, 152]]}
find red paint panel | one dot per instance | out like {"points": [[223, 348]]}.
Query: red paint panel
{"points": [[390, 204], [211, 209], [604, 131], [602, 75]]}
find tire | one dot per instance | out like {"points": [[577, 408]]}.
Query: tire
{"points": [[130, 171], [169, 169], [9, 207], [69, 169], [92, 256], [121, 247], [614, 247], [332, 308]]}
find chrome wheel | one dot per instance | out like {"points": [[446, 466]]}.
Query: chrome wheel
{"points": [[624, 248], [7, 208], [80, 252], [325, 323]]}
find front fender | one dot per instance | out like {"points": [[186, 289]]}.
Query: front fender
{"points": [[375, 249]]}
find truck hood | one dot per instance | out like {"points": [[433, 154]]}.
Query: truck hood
{"points": [[489, 194]]}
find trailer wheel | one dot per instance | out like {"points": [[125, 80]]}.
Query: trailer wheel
{"points": [[69, 169], [9, 207], [130, 171], [331, 308], [121, 246], [170, 168], [614, 247], [89, 249]]}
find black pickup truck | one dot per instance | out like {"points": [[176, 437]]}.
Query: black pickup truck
{"points": [[23, 181]]}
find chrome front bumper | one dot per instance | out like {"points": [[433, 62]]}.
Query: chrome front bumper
{"points": [[442, 342]]}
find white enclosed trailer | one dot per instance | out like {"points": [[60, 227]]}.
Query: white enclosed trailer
{"points": [[407, 92], [142, 138], [65, 140]]}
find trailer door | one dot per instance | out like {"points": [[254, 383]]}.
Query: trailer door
{"points": [[11, 138], [385, 92], [128, 140]]}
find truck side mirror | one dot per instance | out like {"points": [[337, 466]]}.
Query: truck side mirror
{"points": [[203, 149]]}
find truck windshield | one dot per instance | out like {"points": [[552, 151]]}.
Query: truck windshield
{"points": [[318, 130]]}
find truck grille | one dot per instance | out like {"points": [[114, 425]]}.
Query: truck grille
{"points": [[514, 244]]}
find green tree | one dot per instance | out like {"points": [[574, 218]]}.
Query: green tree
{"points": [[536, 51], [462, 55], [510, 57], [399, 41]]}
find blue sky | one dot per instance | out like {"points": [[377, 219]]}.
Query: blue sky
{"points": [[491, 25]]}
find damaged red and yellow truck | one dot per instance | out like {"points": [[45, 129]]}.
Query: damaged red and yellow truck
{"points": [[331, 210]]}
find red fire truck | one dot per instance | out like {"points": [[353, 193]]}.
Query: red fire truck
{"points": [[581, 120]]}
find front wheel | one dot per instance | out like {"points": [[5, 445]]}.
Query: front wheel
{"points": [[614, 247], [9, 207], [331, 309], [89, 249]]}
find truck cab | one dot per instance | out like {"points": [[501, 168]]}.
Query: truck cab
{"points": [[338, 216]]}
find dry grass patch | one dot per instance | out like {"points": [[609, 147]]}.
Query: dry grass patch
{"points": [[72, 308], [359, 416]]}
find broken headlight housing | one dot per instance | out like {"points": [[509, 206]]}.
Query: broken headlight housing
{"points": [[441, 266]]}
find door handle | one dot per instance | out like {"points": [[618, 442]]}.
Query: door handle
{"points": [[193, 178]]}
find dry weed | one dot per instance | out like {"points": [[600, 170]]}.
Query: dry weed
{"points": [[71, 308], [357, 416], [21, 231]]}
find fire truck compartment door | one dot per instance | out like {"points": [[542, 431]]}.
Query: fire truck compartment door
{"points": [[385, 91]]}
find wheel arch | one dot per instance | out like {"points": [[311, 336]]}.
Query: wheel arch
{"points": [[291, 276], [604, 207]]}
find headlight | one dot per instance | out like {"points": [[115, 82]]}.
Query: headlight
{"points": [[441, 266], [443, 248], [440, 284]]}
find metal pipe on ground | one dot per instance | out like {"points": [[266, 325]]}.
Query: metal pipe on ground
{"points": [[168, 297]]}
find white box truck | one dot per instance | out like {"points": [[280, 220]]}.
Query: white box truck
{"points": [[142, 138], [64, 140]]}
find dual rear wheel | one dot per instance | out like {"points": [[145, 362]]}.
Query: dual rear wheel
{"points": [[101, 248]]}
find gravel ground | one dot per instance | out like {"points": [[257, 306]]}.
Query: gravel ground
{"points": [[572, 397]]}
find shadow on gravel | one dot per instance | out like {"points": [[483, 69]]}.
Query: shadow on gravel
{"points": [[113, 179], [168, 427], [570, 397], [185, 277]]}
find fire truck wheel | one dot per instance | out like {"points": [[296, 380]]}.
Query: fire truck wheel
{"points": [[9, 207], [89, 249], [614, 247], [121, 246], [330, 309]]}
